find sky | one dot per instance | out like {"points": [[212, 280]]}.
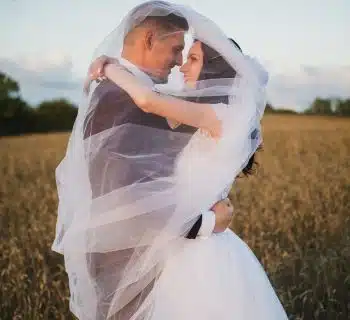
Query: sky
{"points": [[46, 45]]}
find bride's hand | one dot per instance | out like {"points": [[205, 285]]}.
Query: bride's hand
{"points": [[216, 130], [213, 129], [96, 70]]}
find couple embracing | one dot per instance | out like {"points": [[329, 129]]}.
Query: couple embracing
{"points": [[143, 189]]}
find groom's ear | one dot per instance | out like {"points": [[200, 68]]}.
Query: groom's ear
{"points": [[149, 39]]}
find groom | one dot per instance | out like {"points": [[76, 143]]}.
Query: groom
{"points": [[151, 49]]}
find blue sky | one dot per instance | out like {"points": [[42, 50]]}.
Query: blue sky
{"points": [[47, 45]]}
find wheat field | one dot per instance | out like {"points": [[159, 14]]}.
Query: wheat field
{"points": [[294, 213]]}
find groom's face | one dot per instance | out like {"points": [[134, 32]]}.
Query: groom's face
{"points": [[164, 53]]}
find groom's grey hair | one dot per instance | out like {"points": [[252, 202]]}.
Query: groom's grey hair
{"points": [[159, 14]]}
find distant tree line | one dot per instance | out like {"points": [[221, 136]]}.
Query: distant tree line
{"points": [[337, 107], [329, 107], [270, 109], [17, 117]]}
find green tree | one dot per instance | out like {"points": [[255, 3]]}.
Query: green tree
{"points": [[343, 107], [55, 115], [9, 88], [269, 108], [320, 106], [16, 116]]}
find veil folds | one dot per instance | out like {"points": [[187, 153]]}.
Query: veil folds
{"points": [[129, 190]]}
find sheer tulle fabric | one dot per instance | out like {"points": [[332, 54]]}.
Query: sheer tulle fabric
{"points": [[123, 210]]}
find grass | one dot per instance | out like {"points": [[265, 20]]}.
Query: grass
{"points": [[293, 213]]}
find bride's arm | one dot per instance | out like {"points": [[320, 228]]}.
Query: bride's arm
{"points": [[198, 115]]}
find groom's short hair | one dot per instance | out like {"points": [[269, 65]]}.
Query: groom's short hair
{"points": [[169, 22], [159, 14]]}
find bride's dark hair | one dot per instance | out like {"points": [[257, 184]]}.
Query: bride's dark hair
{"points": [[216, 67], [214, 64]]}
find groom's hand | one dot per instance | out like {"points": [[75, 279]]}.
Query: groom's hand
{"points": [[223, 214]]}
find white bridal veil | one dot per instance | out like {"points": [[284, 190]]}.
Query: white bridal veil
{"points": [[128, 193]]}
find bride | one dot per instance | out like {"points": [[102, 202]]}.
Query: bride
{"points": [[215, 277]]}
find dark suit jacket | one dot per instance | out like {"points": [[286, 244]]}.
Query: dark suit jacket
{"points": [[115, 107]]}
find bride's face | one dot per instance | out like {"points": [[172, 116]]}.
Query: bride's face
{"points": [[193, 66]]}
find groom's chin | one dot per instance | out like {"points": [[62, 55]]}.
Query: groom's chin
{"points": [[164, 76], [163, 80]]}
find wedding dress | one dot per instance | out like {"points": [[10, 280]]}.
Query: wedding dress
{"points": [[216, 277]]}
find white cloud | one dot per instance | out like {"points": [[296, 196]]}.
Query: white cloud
{"points": [[297, 90], [41, 79]]}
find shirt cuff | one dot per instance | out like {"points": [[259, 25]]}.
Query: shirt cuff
{"points": [[208, 224]]}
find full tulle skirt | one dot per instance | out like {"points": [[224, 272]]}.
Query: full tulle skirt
{"points": [[216, 278]]}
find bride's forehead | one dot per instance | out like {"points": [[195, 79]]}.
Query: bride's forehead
{"points": [[192, 45], [195, 48]]}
